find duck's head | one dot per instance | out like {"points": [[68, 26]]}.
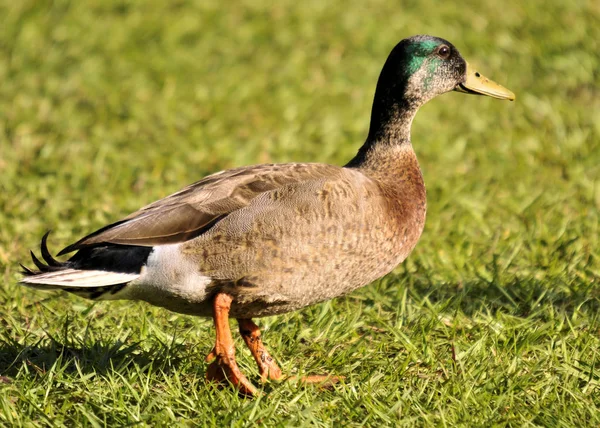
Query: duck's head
{"points": [[422, 67], [418, 69]]}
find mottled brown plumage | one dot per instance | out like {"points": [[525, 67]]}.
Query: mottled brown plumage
{"points": [[268, 239]]}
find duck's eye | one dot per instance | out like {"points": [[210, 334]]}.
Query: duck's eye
{"points": [[443, 52]]}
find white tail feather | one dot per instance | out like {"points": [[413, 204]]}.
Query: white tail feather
{"points": [[79, 278]]}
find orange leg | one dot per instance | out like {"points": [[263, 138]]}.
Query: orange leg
{"points": [[225, 367], [266, 364]]}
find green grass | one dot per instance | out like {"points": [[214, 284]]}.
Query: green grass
{"points": [[492, 321]]}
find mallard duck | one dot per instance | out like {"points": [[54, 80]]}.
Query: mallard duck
{"points": [[263, 240]]}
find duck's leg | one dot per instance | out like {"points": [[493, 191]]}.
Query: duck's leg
{"points": [[266, 364], [224, 365]]}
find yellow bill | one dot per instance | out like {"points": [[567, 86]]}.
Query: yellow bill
{"points": [[478, 84]]}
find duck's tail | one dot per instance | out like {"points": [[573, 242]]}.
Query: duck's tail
{"points": [[91, 273]]}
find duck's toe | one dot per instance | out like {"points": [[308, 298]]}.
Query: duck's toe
{"points": [[224, 369]]}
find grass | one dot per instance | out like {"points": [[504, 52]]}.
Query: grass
{"points": [[492, 321]]}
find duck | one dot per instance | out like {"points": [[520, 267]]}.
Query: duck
{"points": [[267, 239]]}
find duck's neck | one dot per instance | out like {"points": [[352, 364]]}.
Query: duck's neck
{"points": [[389, 132]]}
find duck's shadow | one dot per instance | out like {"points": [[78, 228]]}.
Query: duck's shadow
{"points": [[100, 357], [522, 297]]}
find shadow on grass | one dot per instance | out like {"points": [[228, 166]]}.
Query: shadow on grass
{"points": [[100, 357], [518, 296]]}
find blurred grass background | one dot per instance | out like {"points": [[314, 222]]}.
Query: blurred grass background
{"points": [[108, 105]]}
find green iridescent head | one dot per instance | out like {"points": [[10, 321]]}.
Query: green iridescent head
{"points": [[422, 67]]}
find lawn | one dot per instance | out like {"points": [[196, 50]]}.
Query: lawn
{"points": [[493, 320]]}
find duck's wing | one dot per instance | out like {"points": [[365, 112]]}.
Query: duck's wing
{"points": [[199, 206]]}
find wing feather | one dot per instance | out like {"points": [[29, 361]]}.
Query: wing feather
{"points": [[199, 206]]}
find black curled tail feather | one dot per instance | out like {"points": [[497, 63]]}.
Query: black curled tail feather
{"points": [[107, 257], [52, 265]]}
